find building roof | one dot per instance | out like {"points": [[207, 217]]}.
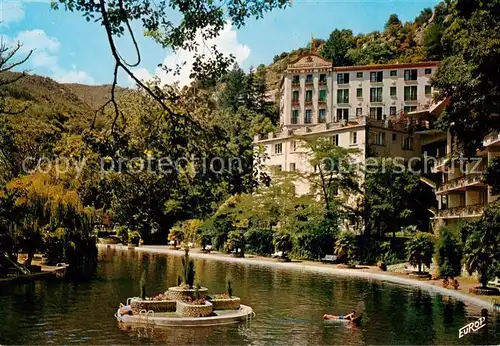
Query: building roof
{"points": [[387, 66]]}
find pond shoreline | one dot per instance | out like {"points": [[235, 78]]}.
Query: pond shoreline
{"points": [[364, 272]]}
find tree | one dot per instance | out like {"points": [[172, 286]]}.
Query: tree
{"points": [[481, 240], [468, 76], [419, 250], [335, 177], [236, 242], [448, 253], [174, 25], [283, 242], [337, 46], [344, 247], [394, 198], [492, 176]]}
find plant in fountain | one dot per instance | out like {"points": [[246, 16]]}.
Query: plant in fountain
{"points": [[188, 270], [143, 285], [229, 289]]}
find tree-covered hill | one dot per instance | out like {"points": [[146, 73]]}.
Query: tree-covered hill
{"points": [[398, 42]]}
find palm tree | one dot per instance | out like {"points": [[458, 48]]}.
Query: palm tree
{"points": [[283, 242], [344, 247], [420, 249]]}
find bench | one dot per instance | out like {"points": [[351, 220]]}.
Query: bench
{"points": [[329, 259]]}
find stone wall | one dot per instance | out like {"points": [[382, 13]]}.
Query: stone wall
{"points": [[232, 303], [155, 305], [189, 310], [178, 293]]}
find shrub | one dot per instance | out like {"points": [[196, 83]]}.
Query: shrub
{"points": [[188, 269], [345, 247], [260, 241], [382, 266], [134, 237]]}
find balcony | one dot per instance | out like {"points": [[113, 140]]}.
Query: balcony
{"points": [[295, 103], [295, 85], [322, 82], [309, 83], [475, 210], [461, 184], [322, 102], [308, 103], [492, 140]]}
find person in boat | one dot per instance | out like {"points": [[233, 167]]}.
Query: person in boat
{"points": [[126, 310], [340, 317]]}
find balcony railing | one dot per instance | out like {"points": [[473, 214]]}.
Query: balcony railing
{"points": [[295, 103], [461, 182], [295, 84], [322, 82], [311, 83], [308, 103], [491, 139], [322, 102], [475, 210]]}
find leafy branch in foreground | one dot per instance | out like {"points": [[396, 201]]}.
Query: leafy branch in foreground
{"points": [[199, 19]]}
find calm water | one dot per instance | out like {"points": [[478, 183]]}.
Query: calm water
{"points": [[289, 307]]}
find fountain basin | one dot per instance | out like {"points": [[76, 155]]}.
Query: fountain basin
{"points": [[232, 303], [181, 293], [155, 305], [244, 313]]}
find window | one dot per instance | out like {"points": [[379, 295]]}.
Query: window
{"points": [[342, 114], [394, 136], [293, 145], [296, 80], [295, 96], [375, 94], [428, 71], [354, 137], [376, 77], [410, 93], [295, 116], [309, 78], [322, 79], [359, 112], [408, 109], [376, 113], [393, 91], [343, 96], [322, 116], [322, 95], [410, 75], [407, 143], [343, 78], [379, 138], [359, 75], [309, 95], [392, 110], [278, 149], [359, 92], [394, 73], [335, 140], [307, 119], [292, 166], [428, 90]]}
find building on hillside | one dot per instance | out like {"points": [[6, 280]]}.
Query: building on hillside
{"points": [[381, 110], [462, 194]]}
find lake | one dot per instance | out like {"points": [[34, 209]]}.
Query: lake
{"points": [[289, 306]]}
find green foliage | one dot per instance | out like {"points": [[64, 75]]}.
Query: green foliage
{"points": [[469, 72], [143, 285], [283, 242], [229, 289], [236, 242], [492, 176], [134, 237], [481, 239], [337, 46], [448, 253], [345, 247], [259, 240], [394, 198], [420, 249]]}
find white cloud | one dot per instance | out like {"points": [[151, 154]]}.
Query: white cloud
{"points": [[73, 76], [45, 55], [227, 43], [11, 12]]}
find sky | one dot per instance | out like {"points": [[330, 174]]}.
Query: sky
{"points": [[69, 49]]}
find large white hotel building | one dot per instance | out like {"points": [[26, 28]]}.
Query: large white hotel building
{"points": [[382, 110]]}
